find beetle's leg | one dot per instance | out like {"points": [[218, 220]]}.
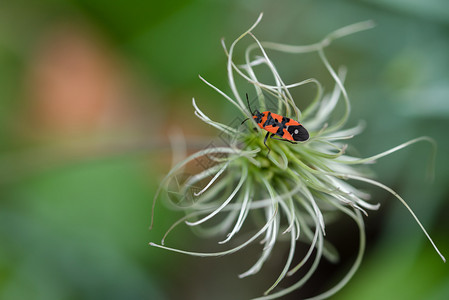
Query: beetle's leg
{"points": [[265, 142], [254, 128], [281, 139]]}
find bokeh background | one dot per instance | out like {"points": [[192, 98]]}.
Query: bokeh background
{"points": [[90, 91]]}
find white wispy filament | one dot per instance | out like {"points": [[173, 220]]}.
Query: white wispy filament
{"points": [[296, 187]]}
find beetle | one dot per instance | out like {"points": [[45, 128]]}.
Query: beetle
{"points": [[278, 127]]}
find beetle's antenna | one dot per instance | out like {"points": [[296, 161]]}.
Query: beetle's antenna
{"points": [[247, 100]]}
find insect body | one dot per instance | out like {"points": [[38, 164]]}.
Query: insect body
{"points": [[279, 127]]}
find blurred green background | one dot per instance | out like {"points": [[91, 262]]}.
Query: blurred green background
{"points": [[90, 90]]}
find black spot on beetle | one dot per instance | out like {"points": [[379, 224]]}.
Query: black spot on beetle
{"points": [[298, 133]]}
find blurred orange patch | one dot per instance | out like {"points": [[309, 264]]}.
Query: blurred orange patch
{"points": [[75, 84]]}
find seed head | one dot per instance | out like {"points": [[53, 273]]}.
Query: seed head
{"points": [[297, 188]]}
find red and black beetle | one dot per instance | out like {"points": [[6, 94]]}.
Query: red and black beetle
{"points": [[287, 129]]}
